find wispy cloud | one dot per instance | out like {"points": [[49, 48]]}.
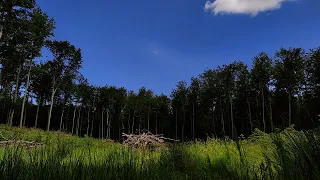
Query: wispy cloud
{"points": [[155, 52], [251, 7]]}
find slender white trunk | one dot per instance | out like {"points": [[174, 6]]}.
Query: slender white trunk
{"points": [[92, 123], [25, 95], [231, 114], [108, 127], [100, 131], [182, 132], [257, 111], [61, 119], [37, 115], [176, 124], [132, 130], [129, 126], [139, 125], [213, 123], [183, 123], [156, 123], [250, 117], [149, 117], [15, 95], [102, 126], [263, 119], [289, 106], [25, 116], [271, 120], [88, 122], [78, 122], [192, 122], [51, 106], [222, 119], [73, 118]]}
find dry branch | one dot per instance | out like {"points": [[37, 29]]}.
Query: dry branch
{"points": [[21, 143], [145, 140], [28, 144]]}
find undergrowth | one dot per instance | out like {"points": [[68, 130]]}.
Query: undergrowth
{"points": [[289, 154]]}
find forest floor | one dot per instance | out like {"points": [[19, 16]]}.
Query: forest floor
{"points": [[36, 154]]}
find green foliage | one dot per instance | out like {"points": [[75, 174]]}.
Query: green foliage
{"points": [[289, 154]]}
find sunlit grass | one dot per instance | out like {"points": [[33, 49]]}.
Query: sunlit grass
{"points": [[284, 155]]}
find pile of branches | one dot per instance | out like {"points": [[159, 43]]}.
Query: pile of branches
{"points": [[145, 140], [26, 144], [20, 143]]}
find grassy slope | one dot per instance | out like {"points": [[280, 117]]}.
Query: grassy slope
{"points": [[68, 157]]}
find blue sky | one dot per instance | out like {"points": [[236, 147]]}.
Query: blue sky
{"points": [[156, 43]]}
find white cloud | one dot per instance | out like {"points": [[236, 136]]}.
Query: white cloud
{"points": [[155, 52], [252, 7]]}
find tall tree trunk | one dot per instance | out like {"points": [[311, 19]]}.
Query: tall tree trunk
{"points": [[213, 123], [88, 122], [102, 126], [289, 106], [80, 129], [182, 132], [192, 135], [263, 118], [92, 124], [257, 111], [100, 137], [73, 118], [61, 119], [149, 117], [231, 114], [108, 128], [78, 121], [129, 126], [25, 95], [156, 123], [51, 106], [119, 132], [25, 116], [222, 119], [250, 116], [271, 120], [37, 115], [139, 125], [183, 124], [3, 108], [134, 114], [15, 95], [176, 124]]}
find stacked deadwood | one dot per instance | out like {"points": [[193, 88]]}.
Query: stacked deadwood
{"points": [[20, 143], [145, 140], [27, 144]]}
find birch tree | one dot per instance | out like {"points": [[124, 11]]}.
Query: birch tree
{"points": [[64, 65]]}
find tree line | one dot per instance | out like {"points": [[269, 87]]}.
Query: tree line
{"points": [[233, 99]]}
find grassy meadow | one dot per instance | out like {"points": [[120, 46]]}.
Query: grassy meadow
{"points": [[289, 154]]}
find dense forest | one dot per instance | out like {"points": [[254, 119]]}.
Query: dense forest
{"points": [[277, 91]]}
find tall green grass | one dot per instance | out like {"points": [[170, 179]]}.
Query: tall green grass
{"points": [[288, 154]]}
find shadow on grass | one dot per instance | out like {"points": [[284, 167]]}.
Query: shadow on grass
{"points": [[294, 156]]}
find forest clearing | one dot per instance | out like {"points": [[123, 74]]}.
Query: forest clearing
{"points": [[289, 154], [141, 95]]}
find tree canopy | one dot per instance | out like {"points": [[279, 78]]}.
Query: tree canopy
{"points": [[277, 91]]}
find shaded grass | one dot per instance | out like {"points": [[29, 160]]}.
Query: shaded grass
{"points": [[288, 154]]}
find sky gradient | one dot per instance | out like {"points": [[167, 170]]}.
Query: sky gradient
{"points": [[156, 43]]}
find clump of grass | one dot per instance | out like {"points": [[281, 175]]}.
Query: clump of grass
{"points": [[288, 154]]}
